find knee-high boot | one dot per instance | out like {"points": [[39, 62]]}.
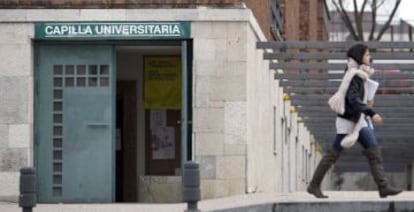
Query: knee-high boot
{"points": [[323, 166], [377, 170]]}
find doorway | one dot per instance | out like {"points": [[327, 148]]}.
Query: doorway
{"points": [[148, 115], [106, 115], [126, 141]]}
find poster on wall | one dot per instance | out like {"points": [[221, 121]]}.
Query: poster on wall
{"points": [[162, 82], [158, 118], [162, 136]]}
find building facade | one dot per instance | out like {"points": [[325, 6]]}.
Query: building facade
{"points": [[107, 99]]}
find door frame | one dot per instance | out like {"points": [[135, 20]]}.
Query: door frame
{"points": [[187, 91]]}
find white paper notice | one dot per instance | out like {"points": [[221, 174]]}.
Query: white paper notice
{"points": [[372, 88], [158, 118], [163, 143]]}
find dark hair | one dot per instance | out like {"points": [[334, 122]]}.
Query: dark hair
{"points": [[357, 52]]}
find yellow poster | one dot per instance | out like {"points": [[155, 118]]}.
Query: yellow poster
{"points": [[162, 82]]}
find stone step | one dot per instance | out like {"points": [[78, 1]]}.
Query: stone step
{"points": [[338, 201], [355, 206], [391, 206]]}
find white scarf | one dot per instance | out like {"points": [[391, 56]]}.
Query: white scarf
{"points": [[337, 101]]}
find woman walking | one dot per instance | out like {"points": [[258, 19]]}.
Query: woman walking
{"points": [[350, 104]]}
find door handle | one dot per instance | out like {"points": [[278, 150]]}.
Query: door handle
{"points": [[97, 124]]}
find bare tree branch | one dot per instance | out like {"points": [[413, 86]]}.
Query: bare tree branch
{"points": [[410, 35], [359, 21], [380, 4], [363, 7], [373, 19], [344, 15], [387, 24], [356, 28]]}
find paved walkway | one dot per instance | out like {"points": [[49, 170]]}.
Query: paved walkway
{"points": [[216, 204]]}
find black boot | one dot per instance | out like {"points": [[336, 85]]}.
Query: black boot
{"points": [[377, 170], [323, 166]]}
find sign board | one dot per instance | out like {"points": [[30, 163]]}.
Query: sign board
{"points": [[109, 30]]}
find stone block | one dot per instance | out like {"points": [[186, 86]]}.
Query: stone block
{"points": [[14, 100], [219, 30], [19, 136], [208, 120], [220, 51], [234, 68], [13, 15], [162, 14], [207, 167], [234, 149], [232, 88], [53, 15], [236, 51], [10, 185], [17, 60], [4, 136], [202, 30], [204, 49], [237, 187], [208, 68], [13, 33], [214, 189], [231, 167], [235, 123], [12, 159], [237, 41], [207, 92], [209, 143], [30, 99], [211, 30], [102, 15], [223, 15], [159, 189]]}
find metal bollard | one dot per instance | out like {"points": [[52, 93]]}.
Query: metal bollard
{"points": [[191, 185], [27, 197]]}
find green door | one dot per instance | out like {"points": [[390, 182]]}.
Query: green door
{"points": [[74, 123]]}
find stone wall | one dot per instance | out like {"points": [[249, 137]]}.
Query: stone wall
{"points": [[220, 105], [16, 97], [240, 140]]}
